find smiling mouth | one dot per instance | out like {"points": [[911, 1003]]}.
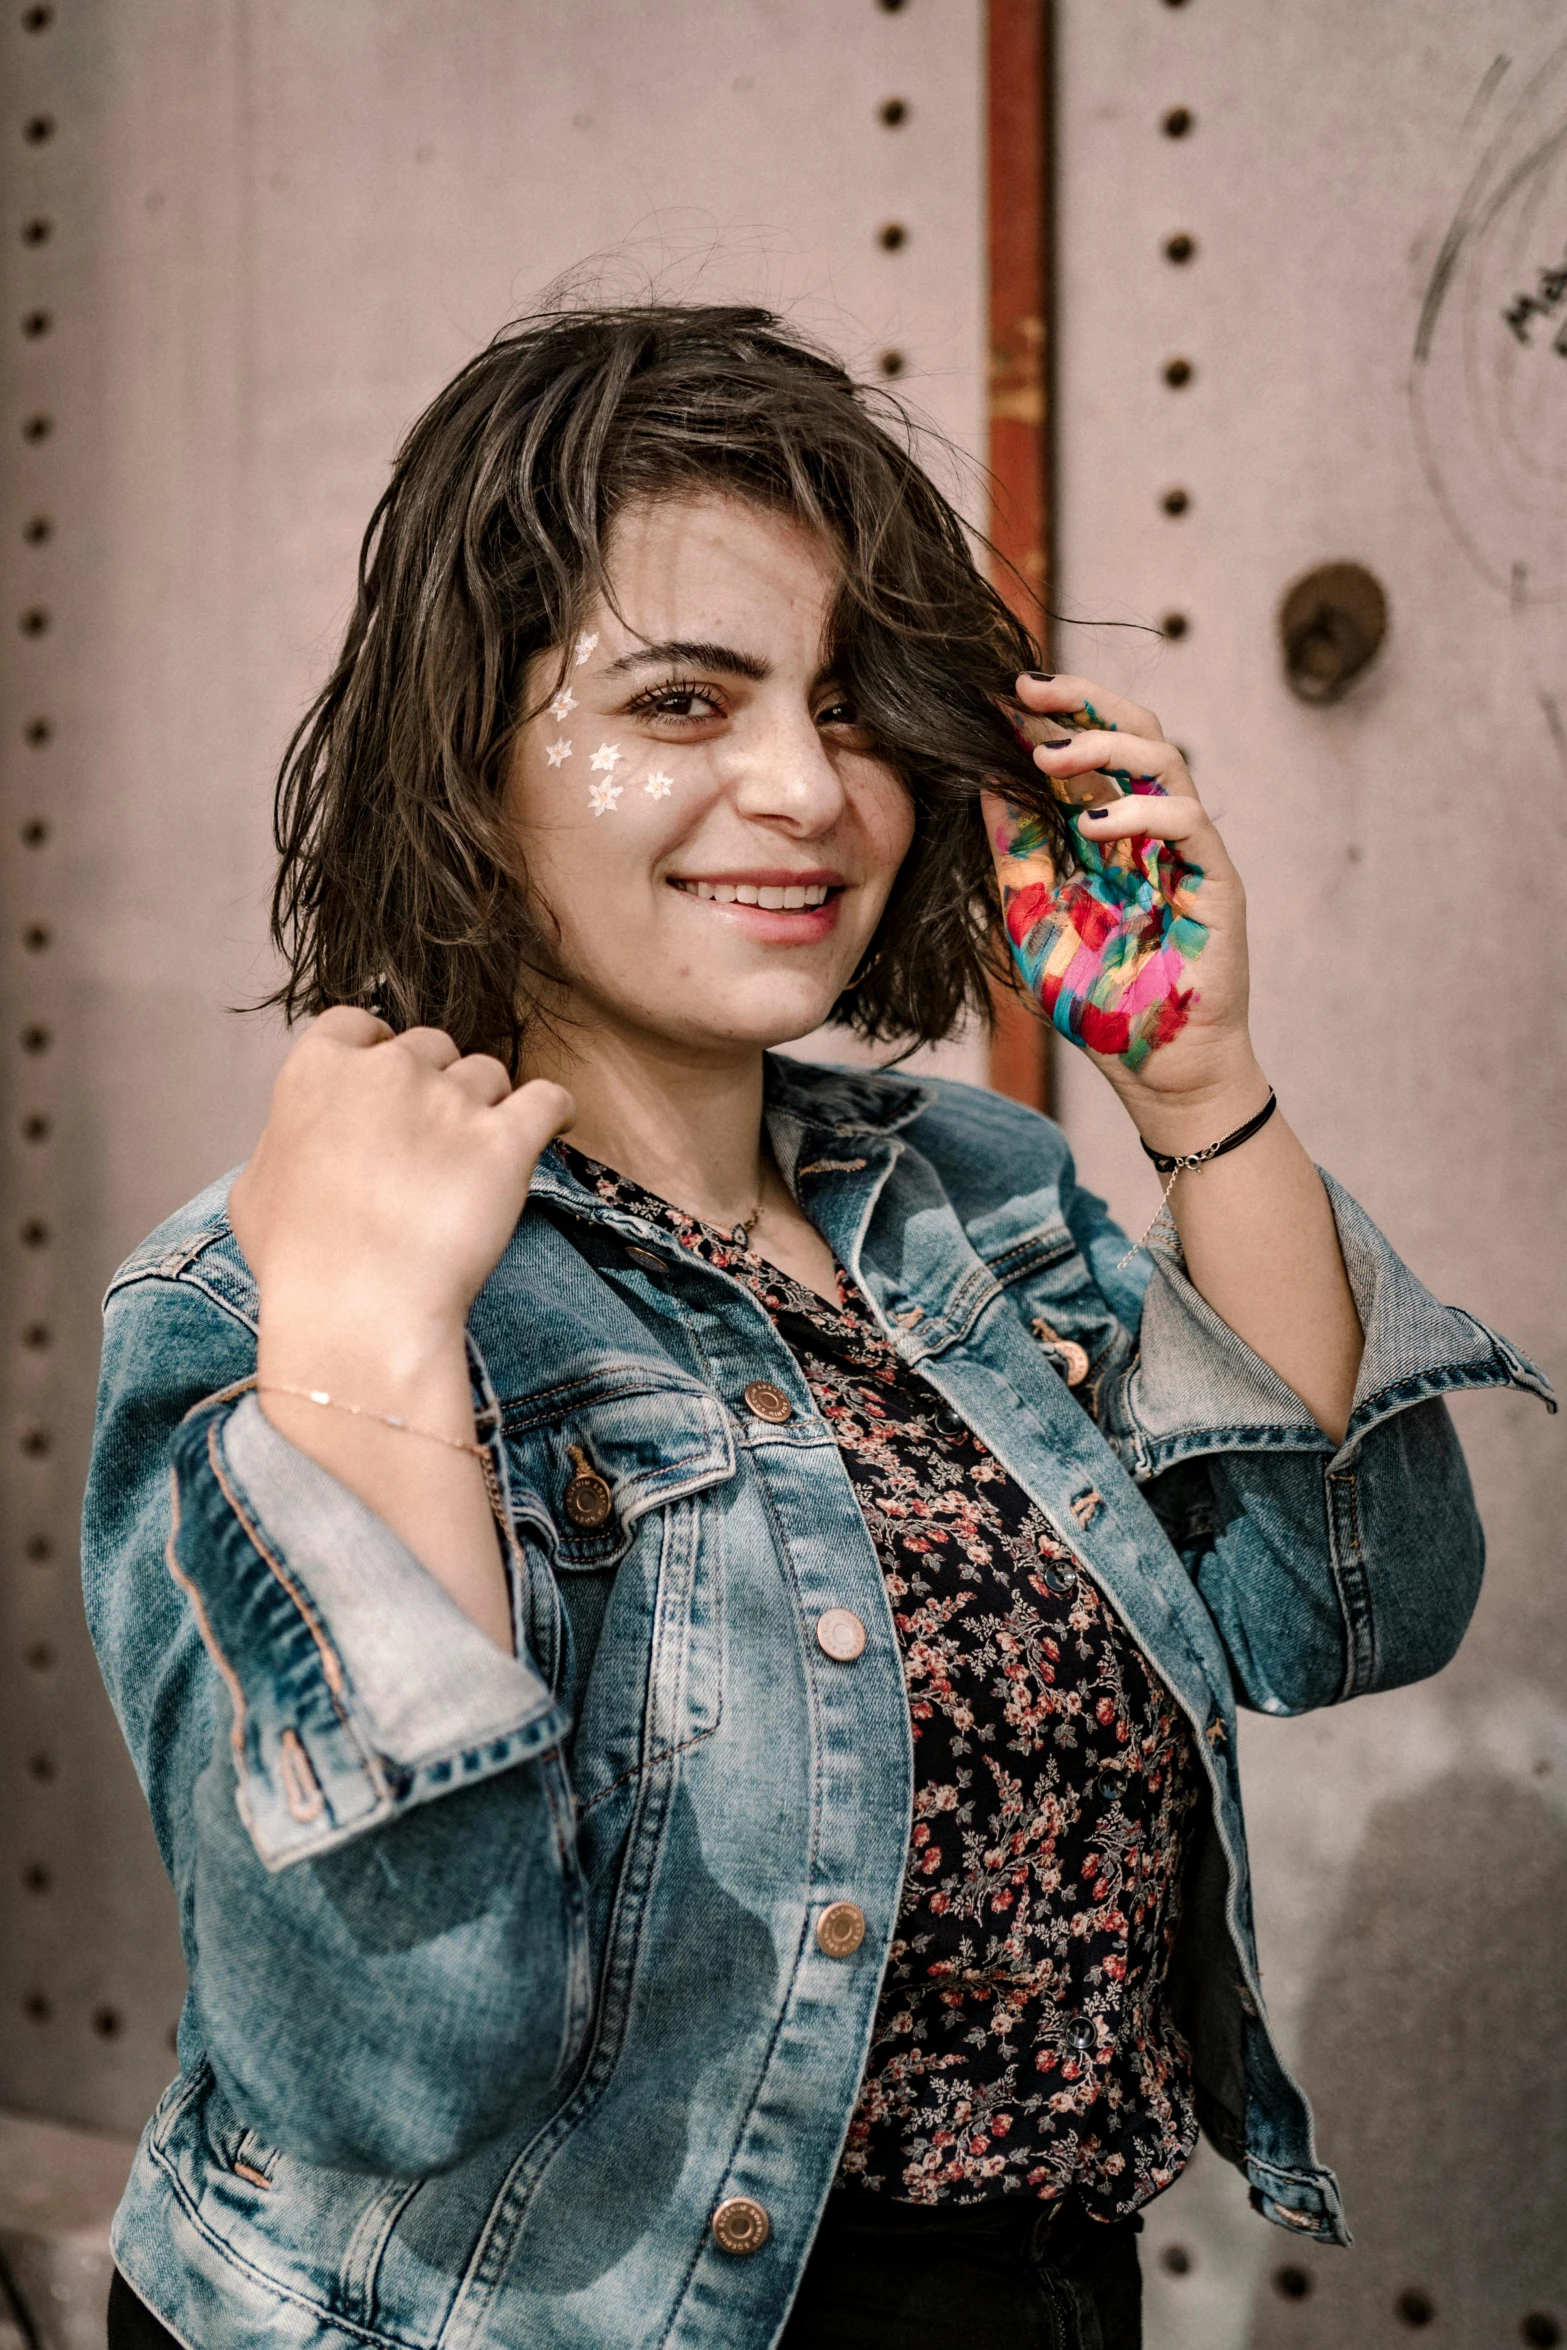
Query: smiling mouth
{"points": [[774, 898]]}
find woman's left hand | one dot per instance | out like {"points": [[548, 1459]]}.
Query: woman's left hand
{"points": [[1140, 957]]}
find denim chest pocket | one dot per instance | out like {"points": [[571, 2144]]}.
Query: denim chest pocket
{"points": [[1051, 1288], [616, 1497]]}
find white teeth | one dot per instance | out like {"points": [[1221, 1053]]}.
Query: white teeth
{"points": [[794, 899]]}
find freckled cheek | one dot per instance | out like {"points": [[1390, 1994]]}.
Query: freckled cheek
{"points": [[886, 814]]}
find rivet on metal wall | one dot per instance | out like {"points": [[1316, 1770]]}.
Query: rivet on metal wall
{"points": [[1331, 626]]}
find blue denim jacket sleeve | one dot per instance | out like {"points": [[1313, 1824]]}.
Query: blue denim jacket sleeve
{"points": [[1329, 1571], [312, 1717]]}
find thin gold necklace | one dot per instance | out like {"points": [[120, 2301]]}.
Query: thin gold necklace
{"points": [[740, 1234]]}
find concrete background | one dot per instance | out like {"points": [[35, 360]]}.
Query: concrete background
{"points": [[1352, 174], [273, 231]]}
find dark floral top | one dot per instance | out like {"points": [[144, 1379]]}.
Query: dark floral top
{"points": [[1022, 2044]]}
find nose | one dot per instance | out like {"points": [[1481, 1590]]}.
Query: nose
{"points": [[784, 774]]}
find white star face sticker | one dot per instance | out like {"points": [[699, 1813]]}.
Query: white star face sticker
{"points": [[602, 796], [556, 752], [585, 645], [563, 705], [606, 758], [658, 786]]}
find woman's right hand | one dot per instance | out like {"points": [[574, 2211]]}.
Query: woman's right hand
{"points": [[390, 1177]]}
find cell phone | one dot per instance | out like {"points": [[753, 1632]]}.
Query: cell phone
{"points": [[1073, 791]]}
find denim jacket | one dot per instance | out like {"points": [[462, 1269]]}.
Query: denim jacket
{"points": [[503, 1970]]}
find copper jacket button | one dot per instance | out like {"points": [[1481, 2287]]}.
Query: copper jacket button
{"points": [[841, 1929], [741, 2226], [767, 1401], [840, 1634], [588, 1498]]}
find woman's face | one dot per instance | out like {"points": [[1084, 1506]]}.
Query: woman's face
{"points": [[697, 808]]}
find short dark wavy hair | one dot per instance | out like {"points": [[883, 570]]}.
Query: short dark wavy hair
{"points": [[399, 884]]}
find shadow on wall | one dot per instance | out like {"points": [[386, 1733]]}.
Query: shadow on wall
{"points": [[1433, 2042]]}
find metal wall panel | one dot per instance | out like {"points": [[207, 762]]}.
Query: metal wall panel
{"points": [[264, 235], [1369, 192]]}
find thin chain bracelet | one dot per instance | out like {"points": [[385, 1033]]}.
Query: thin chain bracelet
{"points": [[319, 1395], [1178, 1164]]}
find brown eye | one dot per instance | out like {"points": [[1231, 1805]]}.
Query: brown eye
{"points": [[679, 704], [851, 729]]}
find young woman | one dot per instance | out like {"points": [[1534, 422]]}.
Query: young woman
{"points": [[681, 1613]]}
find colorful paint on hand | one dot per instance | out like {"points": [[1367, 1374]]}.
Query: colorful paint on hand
{"points": [[1108, 953]]}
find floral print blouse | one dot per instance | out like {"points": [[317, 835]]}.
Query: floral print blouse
{"points": [[1022, 2044]]}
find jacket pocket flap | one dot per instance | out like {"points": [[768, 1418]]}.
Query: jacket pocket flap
{"points": [[587, 1461]]}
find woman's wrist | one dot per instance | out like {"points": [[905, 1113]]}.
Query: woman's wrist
{"points": [[1178, 1123], [381, 1360]]}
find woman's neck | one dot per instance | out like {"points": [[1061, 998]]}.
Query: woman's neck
{"points": [[689, 1131]]}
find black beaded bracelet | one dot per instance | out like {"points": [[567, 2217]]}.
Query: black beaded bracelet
{"points": [[1168, 1165]]}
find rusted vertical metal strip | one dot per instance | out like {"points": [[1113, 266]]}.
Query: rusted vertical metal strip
{"points": [[1018, 76]]}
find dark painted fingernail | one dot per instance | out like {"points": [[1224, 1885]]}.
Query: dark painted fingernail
{"points": [[1041, 676], [1096, 813], [1062, 743]]}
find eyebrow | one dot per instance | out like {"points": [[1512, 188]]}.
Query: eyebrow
{"points": [[726, 659]]}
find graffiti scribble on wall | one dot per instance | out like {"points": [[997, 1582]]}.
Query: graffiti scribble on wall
{"points": [[1488, 385]]}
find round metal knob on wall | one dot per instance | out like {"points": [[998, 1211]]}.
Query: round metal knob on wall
{"points": [[1331, 626]]}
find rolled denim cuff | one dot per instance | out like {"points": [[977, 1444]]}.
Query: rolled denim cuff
{"points": [[1197, 1388], [359, 1687]]}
